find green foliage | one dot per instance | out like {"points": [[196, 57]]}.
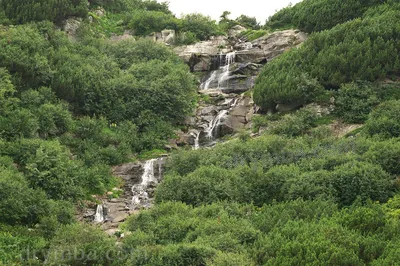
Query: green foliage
{"points": [[384, 121], [324, 14], [186, 38], [82, 245], [20, 247], [361, 49], [301, 243], [365, 180], [354, 102], [54, 120], [120, 6], [107, 25], [290, 233], [19, 203], [201, 26], [386, 154], [53, 10], [251, 34], [248, 22], [144, 22], [274, 168], [296, 124]]}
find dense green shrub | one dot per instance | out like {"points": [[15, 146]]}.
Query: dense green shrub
{"points": [[354, 102], [297, 124], [248, 22], [20, 246], [317, 15], [144, 22], [201, 26], [53, 10], [386, 154], [361, 49], [301, 243], [78, 244], [19, 203], [384, 121], [364, 180]]}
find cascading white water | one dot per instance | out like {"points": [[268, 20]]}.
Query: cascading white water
{"points": [[140, 195], [229, 59], [213, 76], [215, 123], [99, 216], [196, 136], [221, 75]]}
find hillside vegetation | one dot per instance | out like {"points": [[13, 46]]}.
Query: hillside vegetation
{"points": [[71, 108], [364, 49]]}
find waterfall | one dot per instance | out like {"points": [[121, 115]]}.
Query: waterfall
{"points": [[221, 75], [99, 217], [213, 77], [229, 59], [140, 195], [196, 136], [215, 123]]}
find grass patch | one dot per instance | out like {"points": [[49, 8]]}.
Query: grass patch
{"points": [[252, 35], [147, 155], [324, 120], [108, 24]]}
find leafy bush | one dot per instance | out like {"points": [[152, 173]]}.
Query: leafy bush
{"points": [[354, 102], [78, 244], [324, 14], [296, 124], [144, 22], [201, 26], [19, 203], [52, 10], [361, 49], [384, 121], [364, 180], [386, 154]]}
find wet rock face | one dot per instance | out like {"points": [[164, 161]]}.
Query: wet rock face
{"points": [[140, 181], [201, 56], [229, 114]]}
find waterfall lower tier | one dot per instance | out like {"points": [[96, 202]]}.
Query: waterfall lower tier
{"points": [[210, 131], [141, 192], [99, 216], [217, 121]]}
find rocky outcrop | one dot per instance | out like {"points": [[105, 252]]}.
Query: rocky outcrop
{"points": [[235, 31], [270, 46], [230, 114], [70, 26], [166, 36], [199, 56], [134, 176]]}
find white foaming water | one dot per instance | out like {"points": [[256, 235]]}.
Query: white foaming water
{"points": [[214, 123], [229, 59], [99, 217], [222, 73], [196, 136], [140, 195], [213, 76]]}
